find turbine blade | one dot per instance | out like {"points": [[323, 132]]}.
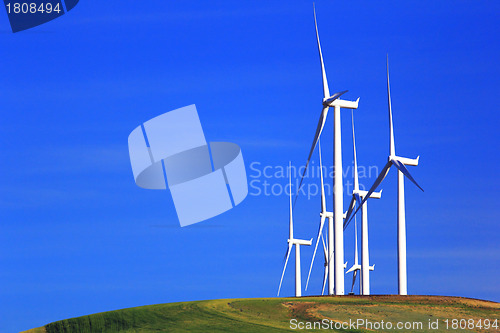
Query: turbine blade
{"points": [[315, 248], [284, 268], [334, 97], [286, 254], [326, 91], [401, 167], [353, 280], [375, 185], [319, 129], [349, 211], [356, 181], [355, 241], [291, 210], [325, 249], [325, 276], [392, 148], [323, 199]]}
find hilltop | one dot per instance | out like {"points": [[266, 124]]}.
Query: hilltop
{"points": [[282, 314]]}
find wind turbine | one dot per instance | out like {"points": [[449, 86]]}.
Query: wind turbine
{"points": [[324, 214], [358, 196], [291, 242], [335, 225], [400, 163]]}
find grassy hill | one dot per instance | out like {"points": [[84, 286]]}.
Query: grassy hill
{"points": [[274, 315]]}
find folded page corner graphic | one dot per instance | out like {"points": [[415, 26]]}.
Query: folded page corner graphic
{"points": [[205, 179]]}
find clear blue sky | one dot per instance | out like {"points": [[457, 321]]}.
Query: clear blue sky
{"points": [[77, 236]]}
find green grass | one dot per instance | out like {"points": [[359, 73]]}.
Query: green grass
{"points": [[274, 314]]}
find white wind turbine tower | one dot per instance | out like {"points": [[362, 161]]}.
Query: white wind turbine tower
{"points": [[399, 163], [335, 225], [357, 197], [291, 242]]}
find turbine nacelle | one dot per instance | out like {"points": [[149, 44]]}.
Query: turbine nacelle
{"points": [[295, 241], [335, 101], [404, 160], [358, 267], [354, 268], [327, 215], [362, 194]]}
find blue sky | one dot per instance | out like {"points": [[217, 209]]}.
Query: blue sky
{"points": [[77, 236]]}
